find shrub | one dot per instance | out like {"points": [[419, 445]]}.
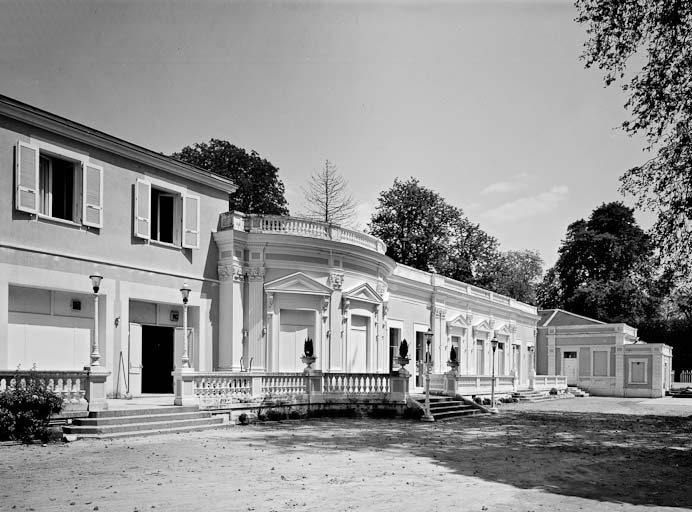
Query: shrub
{"points": [[486, 401], [26, 408], [553, 391], [477, 399], [275, 415], [413, 413], [383, 412], [243, 419], [294, 415]]}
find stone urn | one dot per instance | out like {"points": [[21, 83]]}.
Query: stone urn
{"points": [[308, 361], [403, 361], [453, 366]]}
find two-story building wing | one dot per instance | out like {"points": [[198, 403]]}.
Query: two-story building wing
{"points": [[76, 202]]}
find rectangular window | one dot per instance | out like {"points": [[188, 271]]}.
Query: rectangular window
{"points": [[166, 215], [394, 340], [600, 363], [58, 187], [637, 372], [58, 183]]}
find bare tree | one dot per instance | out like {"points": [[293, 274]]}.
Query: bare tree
{"points": [[328, 198]]}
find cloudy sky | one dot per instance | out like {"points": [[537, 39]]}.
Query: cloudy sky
{"points": [[486, 102]]}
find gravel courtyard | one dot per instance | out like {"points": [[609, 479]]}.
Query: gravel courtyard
{"points": [[537, 457]]}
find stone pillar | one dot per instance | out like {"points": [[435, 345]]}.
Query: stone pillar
{"points": [[551, 351], [471, 346], [4, 322], [333, 358], [399, 382], [439, 335], [230, 316], [257, 346], [620, 370], [184, 387], [313, 385], [96, 387]]}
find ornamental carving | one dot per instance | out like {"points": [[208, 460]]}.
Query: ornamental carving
{"points": [[238, 274], [439, 312], [325, 306], [347, 305], [336, 280], [225, 272], [381, 287], [255, 273], [270, 302]]}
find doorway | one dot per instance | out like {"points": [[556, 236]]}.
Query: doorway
{"points": [[157, 359], [570, 365]]}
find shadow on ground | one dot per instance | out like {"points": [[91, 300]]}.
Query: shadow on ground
{"points": [[643, 460]]}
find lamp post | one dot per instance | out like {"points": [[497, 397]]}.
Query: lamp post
{"points": [[185, 292], [427, 369], [95, 355], [493, 344]]}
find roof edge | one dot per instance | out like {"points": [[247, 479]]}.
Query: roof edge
{"points": [[15, 109]]}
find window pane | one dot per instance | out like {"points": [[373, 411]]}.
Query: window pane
{"points": [[600, 364], [637, 369]]}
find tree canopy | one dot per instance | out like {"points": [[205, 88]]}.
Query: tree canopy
{"points": [[422, 230], [646, 46], [259, 188], [604, 269], [327, 196]]}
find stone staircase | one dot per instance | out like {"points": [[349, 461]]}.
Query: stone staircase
{"points": [[528, 395], [141, 422], [447, 408], [577, 392]]}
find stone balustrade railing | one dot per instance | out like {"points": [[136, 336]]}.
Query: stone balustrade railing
{"points": [[355, 383], [473, 384], [69, 385], [277, 224], [283, 384], [215, 390], [546, 382]]}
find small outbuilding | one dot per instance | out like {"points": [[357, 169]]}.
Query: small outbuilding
{"points": [[601, 358]]}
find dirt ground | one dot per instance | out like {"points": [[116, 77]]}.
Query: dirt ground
{"points": [[543, 457]]}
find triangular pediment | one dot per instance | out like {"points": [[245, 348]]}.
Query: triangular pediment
{"points": [[364, 292], [484, 326], [459, 322], [297, 283], [502, 331]]}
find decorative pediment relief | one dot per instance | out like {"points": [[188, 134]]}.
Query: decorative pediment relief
{"points": [[297, 283], [484, 327], [458, 321], [364, 293], [502, 331]]}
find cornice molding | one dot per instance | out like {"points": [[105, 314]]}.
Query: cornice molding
{"points": [[81, 133]]}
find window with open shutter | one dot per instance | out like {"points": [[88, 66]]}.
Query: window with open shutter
{"points": [[92, 204], [143, 209], [27, 178], [191, 222]]}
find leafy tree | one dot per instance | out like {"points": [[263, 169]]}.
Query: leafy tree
{"points": [[604, 268], [416, 224], [423, 231], [646, 46], [327, 196], [259, 188], [517, 274]]}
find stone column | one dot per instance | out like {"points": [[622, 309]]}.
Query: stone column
{"points": [[333, 358], [230, 316], [257, 346], [551, 351], [471, 346], [437, 319], [4, 322]]}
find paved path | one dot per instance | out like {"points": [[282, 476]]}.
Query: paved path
{"points": [[667, 406], [522, 459]]}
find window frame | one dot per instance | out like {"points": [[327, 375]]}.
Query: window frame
{"points": [[633, 361], [593, 363]]}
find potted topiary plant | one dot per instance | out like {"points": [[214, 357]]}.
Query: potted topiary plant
{"points": [[308, 354], [453, 362], [403, 358]]}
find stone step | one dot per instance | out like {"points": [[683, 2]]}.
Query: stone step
{"points": [[138, 418], [142, 412], [167, 425], [455, 414], [447, 408], [154, 431]]}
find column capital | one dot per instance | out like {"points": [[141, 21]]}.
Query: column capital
{"points": [[255, 273], [230, 271], [336, 280]]}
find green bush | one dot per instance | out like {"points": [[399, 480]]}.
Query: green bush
{"points": [[553, 391], [383, 413], [275, 415], [413, 413], [25, 410], [294, 415]]}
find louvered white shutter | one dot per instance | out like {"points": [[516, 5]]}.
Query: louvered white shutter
{"points": [[92, 190], [143, 209], [27, 178], [191, 222]]}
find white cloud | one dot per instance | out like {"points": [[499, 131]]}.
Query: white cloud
{"points": [[513, 184], [526, 207]]}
